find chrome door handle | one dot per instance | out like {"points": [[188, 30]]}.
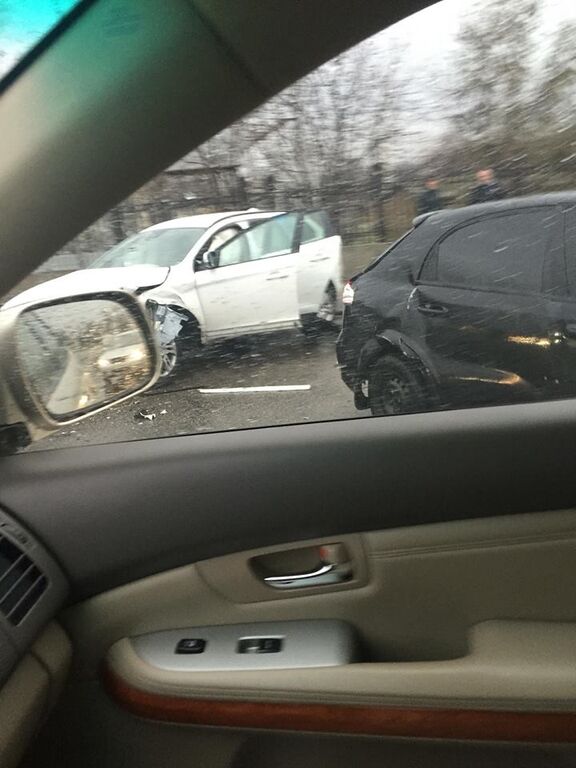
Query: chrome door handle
{"points": [[326, 573], [432, 309], [320, 258]]}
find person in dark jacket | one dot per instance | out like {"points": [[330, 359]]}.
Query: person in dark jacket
{"points": [[487, 189], [430, 198]]}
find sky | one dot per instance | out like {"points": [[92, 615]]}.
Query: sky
{"points": [[429, 37], [431, 33]]}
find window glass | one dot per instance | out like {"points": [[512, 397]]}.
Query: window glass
{"points": [[157, 247], [236, 251], [505, 253], [222, 237], [432, 170], [314, 227], [271, 238], [571, 249]]}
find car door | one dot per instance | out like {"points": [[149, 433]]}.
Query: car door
{"points": [[482, 308], [319, 260], [252, 285], [432, 634], [564, 330]]}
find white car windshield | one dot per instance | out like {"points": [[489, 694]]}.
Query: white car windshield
{"points": [[157, 247]]}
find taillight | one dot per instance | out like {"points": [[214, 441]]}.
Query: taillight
{"points": [[348, 294]]}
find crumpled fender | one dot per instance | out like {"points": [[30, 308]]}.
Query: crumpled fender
{"points": [[392, 341]]}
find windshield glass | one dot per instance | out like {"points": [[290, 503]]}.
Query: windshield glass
{"points": [[158, 248], [25, 23]]}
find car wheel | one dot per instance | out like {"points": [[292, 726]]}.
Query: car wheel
{"points": [[327, 309], [324, 318], [170, 356], [395, 386]]}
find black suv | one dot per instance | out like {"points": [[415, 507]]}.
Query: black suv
{"points": [[473, 306]]}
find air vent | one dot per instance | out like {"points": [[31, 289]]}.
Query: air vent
{"points": [[21, 582]]}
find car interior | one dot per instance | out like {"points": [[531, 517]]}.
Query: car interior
{"points": [[390, 591]]}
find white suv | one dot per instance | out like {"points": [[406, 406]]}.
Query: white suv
{"points": [[221, 275]]}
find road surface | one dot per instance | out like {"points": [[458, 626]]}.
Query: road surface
{"points": [[298, 381]]}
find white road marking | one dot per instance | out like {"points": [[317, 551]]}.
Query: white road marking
{"points": [[240, 390]]}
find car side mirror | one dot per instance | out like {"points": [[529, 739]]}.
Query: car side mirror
{"points": [[63, 360], [211, 259]]}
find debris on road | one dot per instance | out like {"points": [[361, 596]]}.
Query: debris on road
{"points": [[144, 415]]}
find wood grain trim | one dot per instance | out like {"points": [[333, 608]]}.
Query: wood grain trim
{"points": [[478, 725]]}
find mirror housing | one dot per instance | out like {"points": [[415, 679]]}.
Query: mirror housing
{"points": [[211, 259], [65, 359]]}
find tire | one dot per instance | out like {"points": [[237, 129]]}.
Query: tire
{"points": [[395, 386], [171, 355], [176, 353], [324, 318]]}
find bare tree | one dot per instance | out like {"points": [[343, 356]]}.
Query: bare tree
{"points": [[335, 123], [493, 89], [557, 91], [345, 115]]}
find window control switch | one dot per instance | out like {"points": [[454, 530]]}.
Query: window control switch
{"points": [[260, 645], [191, 645]]}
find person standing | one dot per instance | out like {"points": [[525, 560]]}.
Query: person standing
{"points": [[487, 189], [430, 198]]}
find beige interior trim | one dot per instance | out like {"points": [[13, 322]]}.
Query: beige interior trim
{"points": [[234, 577], [23, 701], [464, 535], [523, 666], [418, 607], [28, 694], [54, 651]]}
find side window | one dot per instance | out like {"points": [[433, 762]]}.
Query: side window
{"points": [[235, 251], [273, 237], [506, 253], [222, 236], [315, 226]]}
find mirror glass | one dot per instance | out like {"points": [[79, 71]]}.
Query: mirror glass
{"points": [[77, 356]]}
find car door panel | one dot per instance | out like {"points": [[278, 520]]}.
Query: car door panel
{"points": [[564, 330], [319, 261], [508, 669], [254, 286], [488, 347], [440, 661], [509, 566], [485, 311], [444, 610]]}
